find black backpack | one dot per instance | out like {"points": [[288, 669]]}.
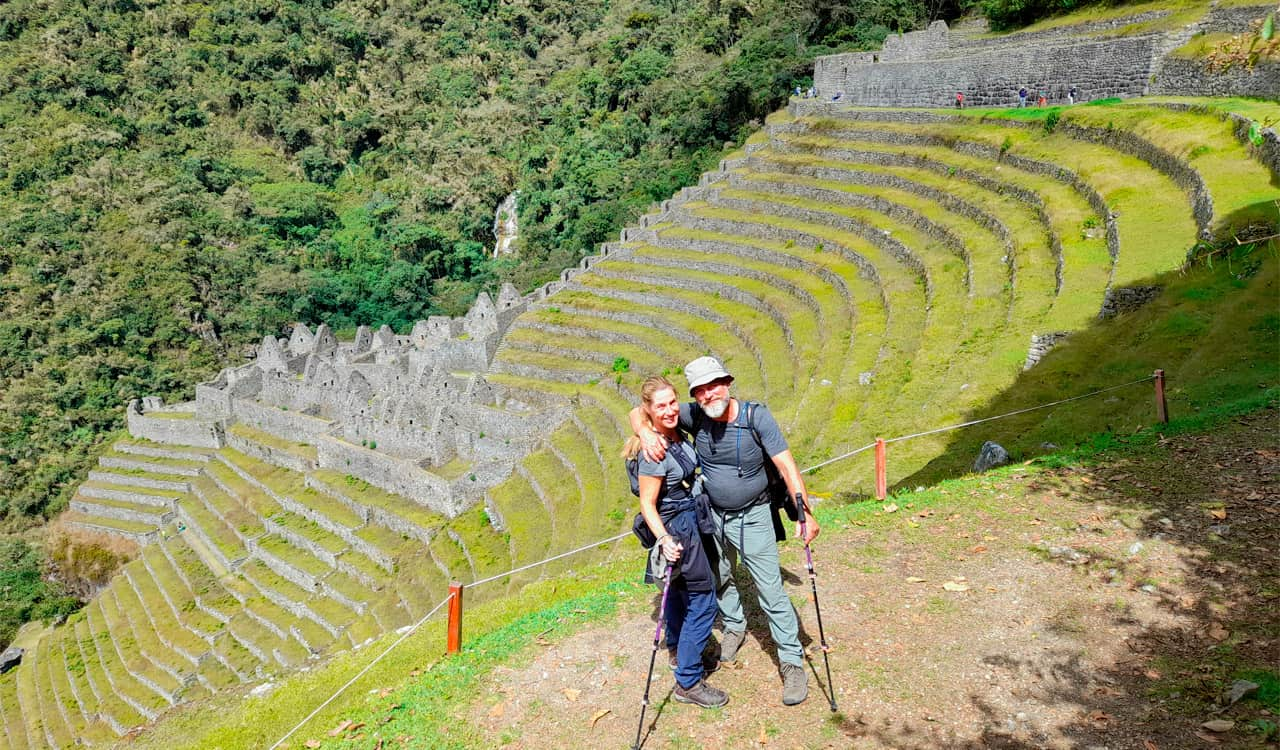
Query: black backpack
{"points": [[638, 525]]}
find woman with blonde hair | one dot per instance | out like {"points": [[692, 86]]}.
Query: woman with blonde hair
{"points": [[668, 490]]}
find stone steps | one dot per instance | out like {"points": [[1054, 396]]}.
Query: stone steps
{"points": [[147, 699], [53, 717], [121, 646], [526, 515], [387, 510], [140, 447], [121, 510]]}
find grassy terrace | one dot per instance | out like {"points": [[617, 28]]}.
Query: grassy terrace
{"points": [[248, 495], [140, 509], [591, 310], [162, 495], [530, 523], [118, 673], [154, 463], [126, 528], [561, 496], [131, 650], [301, 560], [245, 523], [829, 332], [108, 699], [757, 331], [1034, 259], [293, 448], [291, 484], [361, 492], [133, 612], [221, 535], [1154, 211], [1236, 180], [167, 578], [213, 596]]}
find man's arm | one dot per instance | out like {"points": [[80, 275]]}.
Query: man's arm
{"points": [[786, 464], [653, 445]]}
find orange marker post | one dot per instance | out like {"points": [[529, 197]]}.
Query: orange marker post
{"points": [[1162, 407], [455, 618], [882, 481]]}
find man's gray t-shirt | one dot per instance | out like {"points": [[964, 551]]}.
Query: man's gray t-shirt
{"points": [[668, 468], [725, 447]]}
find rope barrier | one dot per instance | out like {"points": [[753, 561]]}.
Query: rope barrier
{"points": [[1015, 413], [362, 672], [842, 457], [522, 568]]}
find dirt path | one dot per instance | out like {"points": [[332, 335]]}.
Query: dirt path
{"points": [[1106, 607]]}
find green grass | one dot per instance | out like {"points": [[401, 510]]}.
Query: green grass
{"points": [[364, 493], [300, 450], [529, 522]]}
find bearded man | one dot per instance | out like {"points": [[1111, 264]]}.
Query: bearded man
{"points": [[731, 452]]}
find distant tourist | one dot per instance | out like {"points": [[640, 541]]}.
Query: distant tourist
{"points": [[837, 96], [810, 93], [1042, 100], [1071, 95], [1022, 97], [959, 100], [797, 91]]}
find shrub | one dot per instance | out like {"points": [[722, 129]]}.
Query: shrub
{"points": [[84, 561], [27, 595]]}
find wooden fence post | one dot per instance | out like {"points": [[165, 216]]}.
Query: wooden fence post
{"points": [[1162, 407], [455, 618], [882, 481]]}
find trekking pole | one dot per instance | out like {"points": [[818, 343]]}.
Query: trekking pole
{"points": [[657, 634], [813, 582]]}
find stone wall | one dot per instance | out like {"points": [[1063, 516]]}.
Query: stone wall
{"points": [[1098, 68], [290, 425], [389, 473], [1191, 77], [175, 431], [927, 68]]}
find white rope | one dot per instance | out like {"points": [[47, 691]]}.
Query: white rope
{"points": [[838, 458], [1019, 411], [362, 672], [549, 559]]}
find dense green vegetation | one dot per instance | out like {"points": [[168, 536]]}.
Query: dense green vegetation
{"points": [[24, 594], [177, 179]]}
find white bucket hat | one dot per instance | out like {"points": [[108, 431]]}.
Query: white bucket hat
{"points": [[703, 370]]}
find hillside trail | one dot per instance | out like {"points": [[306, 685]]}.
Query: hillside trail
{"points": [[1104, 606]]}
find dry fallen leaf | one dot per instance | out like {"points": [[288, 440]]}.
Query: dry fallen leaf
{"points": [[1219, 725], [312, 744], [1099, 716], [497, 710], [571, 693], [1149, 745], [598, 715], [1153, 674], [1218, 633], [1207, 737], [1219, 513], [541, 641], [342, 727], [955, 586], [915, 579], [891, 508], [978, 548], [764, 738]]}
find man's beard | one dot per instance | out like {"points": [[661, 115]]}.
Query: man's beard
{"points": [[716, 409]]}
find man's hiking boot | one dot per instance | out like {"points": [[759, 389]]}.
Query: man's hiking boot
{"points": [[709, 661], [795, 684], [702, 694], [730, 642]]}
